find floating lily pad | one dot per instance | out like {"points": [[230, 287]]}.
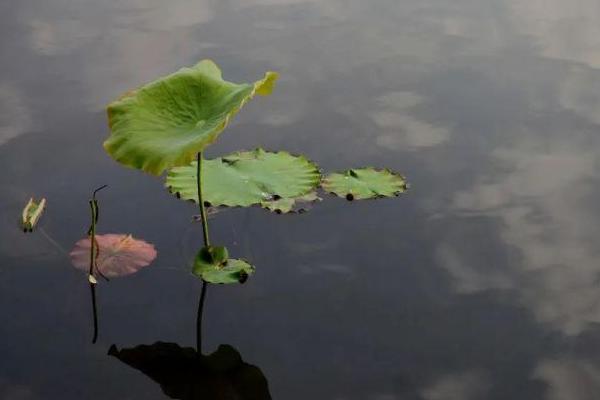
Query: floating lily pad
{"points": [[213, 265], [118, 255], [248, 178], [166, 122], [294, 204], [31, 214], [365, 183]]}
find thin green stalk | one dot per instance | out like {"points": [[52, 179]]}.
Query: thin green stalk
{"points": [[92, 230], [206, 244], [201, 200], [93, 257], [93, 253], [92, 235]]}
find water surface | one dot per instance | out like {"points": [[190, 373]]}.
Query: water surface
{"points": [[483, 282]]}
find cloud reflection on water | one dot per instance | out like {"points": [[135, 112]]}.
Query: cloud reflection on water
{"points": [[569, 379], [468, 385], [563, 30], [15, 117], [431, 78], [543, 201], [141, 39]]}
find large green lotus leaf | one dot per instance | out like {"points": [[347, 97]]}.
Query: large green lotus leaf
{"points": [[213, 265], [166, 122], [247, 178], [364, 183]]}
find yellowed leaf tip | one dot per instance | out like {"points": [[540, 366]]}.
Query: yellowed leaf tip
{"points": [[265, 86]]}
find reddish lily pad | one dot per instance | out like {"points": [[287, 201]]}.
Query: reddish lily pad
{"points": [[118, 255]]}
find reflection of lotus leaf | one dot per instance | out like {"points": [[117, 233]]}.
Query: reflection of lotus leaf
{"points": [[118, 255], [248, 178], [365, 183], [15, 115], [166, 122], [184, 374]]}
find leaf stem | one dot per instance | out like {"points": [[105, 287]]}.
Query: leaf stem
{"points": [[91, 279], [93, 256], [200, 199], [206, 244], [92, 235]]}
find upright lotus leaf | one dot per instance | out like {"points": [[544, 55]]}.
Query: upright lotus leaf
{"points": [[118, 255], [365, 183], [166, 122], [213, 265], [31, 214], [247, 178]]}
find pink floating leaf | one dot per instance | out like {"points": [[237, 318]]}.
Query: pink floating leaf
{"points": [[118, 255]]}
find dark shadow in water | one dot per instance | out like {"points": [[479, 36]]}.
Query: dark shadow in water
{"points": [[184, 374]]}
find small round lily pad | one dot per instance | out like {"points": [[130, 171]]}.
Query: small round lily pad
{"points": [[118, 255], [213, 265], [364, 183]]}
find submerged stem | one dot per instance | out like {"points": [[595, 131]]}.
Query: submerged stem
{"points": [[206, 244], [95, 312], [199, 317]]}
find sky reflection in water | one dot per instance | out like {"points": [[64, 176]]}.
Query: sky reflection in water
{"points": [[482, 282]]}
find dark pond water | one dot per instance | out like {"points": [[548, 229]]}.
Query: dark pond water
{"points": [[483, 282]]}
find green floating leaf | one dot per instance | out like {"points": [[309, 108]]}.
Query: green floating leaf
{"points": [[166, 122], [287, 205], [365, 183], [31, 214], [213, 265], [273, 180]]}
